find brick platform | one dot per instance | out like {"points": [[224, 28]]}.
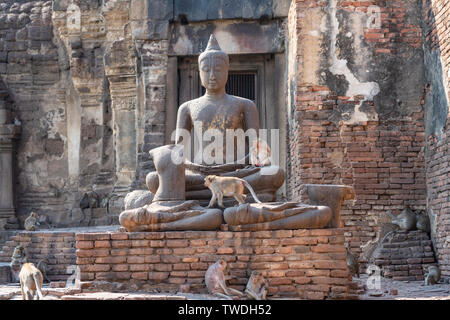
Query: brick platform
{"points": [[308, 264], [57, 247], [403, 255]]}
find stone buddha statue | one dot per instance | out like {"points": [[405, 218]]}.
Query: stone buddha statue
{"points": [[178, 185], [220, 112]]}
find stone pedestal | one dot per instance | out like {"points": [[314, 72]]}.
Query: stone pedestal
{"points": [[331, 196], [301, 264], [405, 256], [8, 133]]}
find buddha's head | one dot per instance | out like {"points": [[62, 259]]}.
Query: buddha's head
{"points": [[213, 66]]}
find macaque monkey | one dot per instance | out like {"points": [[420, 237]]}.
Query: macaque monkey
{"points": [[256, 286], [260, 153], [31, 282], [31, 222], [18, 258], [352, 262], [433, 276], [215, 281], [43, 268], [228, 187], [423, 222], [44, 220], [406, 220]]}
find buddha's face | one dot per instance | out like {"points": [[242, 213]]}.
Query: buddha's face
{"points": [[213, 73]]}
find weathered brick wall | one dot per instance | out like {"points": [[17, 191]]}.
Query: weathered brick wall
{"points": [[437, 44], [358, 116], [438, 181], [57, 247], [308, 264]]}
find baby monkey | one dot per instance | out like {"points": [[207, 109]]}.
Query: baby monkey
{"points": [[228, 187], [256, 286]]}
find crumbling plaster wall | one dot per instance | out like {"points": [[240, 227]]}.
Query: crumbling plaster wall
{"points": [[357, 118], [33, 75]]}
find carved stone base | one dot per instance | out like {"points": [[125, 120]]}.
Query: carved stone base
{"points": [[171, 216], [275, 216]]}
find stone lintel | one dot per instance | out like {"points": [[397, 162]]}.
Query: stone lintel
{"points": [[239, 37]]}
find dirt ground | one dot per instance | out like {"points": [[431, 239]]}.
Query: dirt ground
{"points": [[387, 290]]}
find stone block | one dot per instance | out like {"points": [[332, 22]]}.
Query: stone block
{"points": [[189, 10], [5, 273], [60, 5]]}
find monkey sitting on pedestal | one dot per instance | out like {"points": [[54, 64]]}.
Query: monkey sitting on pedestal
{"points": [[423, 222], [256, 286], [228, 187], [31, 222], [406, 220], [215, 281], [18, 258]]}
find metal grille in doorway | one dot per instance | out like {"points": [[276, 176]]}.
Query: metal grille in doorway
{"points": [[241, 84]]}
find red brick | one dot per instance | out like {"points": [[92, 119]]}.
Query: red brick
{"points": [[139, 275], [118, 236], [139, 267], [84, 245], [177, 243], [135, 259], [225, 250], [140, 243], [114, 260], [92, 236], [158, 275], [120, 267], [102, 244], [121, 243]]}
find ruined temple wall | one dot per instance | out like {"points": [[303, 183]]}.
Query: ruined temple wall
{"points": [[357, 114], [437, 155], [87, 120], [32, 73]]}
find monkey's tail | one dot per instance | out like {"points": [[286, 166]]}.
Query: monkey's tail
{"points": [[249, 187], [38, 285]]}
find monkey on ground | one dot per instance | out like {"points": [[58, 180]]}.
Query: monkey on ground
{"points": [[43, 268], [256, 286], [433, 276], [31, 282], [215, 281], [228, 187], [352, 262], [260, 153], [18, 258], [31, 222]]}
